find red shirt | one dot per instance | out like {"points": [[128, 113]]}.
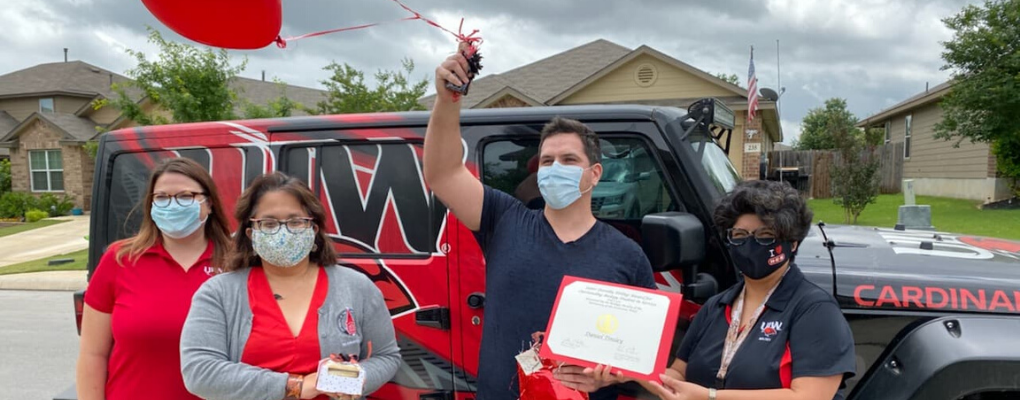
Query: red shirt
{"points": [[271, 344], [148, 301]]}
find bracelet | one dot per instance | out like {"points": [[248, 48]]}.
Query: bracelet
{"points": [[711, 394], [294, 386]]}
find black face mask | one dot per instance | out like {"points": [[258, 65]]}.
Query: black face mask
{"points": [[757, 261]]}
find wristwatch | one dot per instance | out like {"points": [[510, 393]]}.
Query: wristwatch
{"points": [[711, 393]]}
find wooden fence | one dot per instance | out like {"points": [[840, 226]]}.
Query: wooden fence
{"points": [[817, 165]]}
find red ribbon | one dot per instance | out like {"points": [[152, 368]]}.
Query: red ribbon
{"points": [[470, 38]]}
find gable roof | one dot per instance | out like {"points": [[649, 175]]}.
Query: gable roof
{"points": [[72, 127], [262, 92], [7, 122], [544, 79], [645, 50], [74, 78], [931, 95]]}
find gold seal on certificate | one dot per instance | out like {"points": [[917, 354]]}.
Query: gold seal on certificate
{"points": [[628, 328]]}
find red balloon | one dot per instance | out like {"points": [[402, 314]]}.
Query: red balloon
{"points": [[231, 24]]}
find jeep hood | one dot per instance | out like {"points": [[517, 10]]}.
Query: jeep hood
{"points": [[916, 270]]}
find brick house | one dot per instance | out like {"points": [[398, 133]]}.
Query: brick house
{"points": [[46, 117], [936, 166], [602, 72]]}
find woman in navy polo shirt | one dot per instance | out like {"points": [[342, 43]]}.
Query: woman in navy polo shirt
{"points": [[776, 335]]}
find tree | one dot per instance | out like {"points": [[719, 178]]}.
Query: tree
{"points": [[5, 176], [874, 136], [855, 174], [984, 101], [192, 85], [820, 124], [348, 93], [731, 78]]}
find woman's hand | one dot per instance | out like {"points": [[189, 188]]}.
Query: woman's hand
{"points": [[308, 390], [587, 379], [673, 389]]}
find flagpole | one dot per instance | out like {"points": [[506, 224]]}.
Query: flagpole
{"points": [[779, 114]]}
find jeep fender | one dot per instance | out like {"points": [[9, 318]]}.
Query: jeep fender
{"points": [[947, 358]]}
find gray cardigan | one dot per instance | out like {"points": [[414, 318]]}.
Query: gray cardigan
{"points": [[220, 321]]}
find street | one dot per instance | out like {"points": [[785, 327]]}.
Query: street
{"points": [[38, 344]]}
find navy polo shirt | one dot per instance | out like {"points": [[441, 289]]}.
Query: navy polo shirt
{"points": [[524, 265], [801, 332]]}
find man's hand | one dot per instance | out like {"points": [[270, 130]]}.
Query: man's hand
{"points": [[673, 389], [587, 379], [454, 70]]}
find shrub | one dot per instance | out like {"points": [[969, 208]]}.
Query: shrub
{"points": [[16, 204], [55, 206], [35, 215]]}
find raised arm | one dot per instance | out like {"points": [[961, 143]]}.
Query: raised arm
{"points": [[443, 163]]}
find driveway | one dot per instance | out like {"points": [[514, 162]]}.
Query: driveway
{"points": [[44, 242]]}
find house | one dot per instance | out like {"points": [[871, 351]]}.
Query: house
{"points": [[47, 116], [602, 72], [936, 166]]}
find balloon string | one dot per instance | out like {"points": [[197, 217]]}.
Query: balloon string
{"points": [[470, 38]]}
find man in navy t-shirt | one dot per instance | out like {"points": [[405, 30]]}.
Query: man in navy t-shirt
{"points": [[527, 252]]}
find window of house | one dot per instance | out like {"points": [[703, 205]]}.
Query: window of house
{"points": [[888, 132], [631, 185], [47, 170], [46, 105], [906, 137]]}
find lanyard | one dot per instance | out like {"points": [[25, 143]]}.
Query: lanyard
{"points": [[734, 335]]}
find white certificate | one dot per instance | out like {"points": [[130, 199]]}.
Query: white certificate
{"points": [[629, 329]]}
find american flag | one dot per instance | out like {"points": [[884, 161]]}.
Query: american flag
{"points": [[752, 90]]}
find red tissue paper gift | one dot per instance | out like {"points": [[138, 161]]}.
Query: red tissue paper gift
{"points": [[535, 376]]}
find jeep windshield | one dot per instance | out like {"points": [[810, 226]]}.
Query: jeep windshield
{"points": [[718, 166]]}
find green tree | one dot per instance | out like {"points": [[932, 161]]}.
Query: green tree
{"points": [[348, 92], [731, 78], [191, 84], [855, 175], [820, 126], [984, 101], [5, 176], [874, 136]]}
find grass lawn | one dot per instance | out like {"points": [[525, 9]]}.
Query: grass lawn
{"points": [[10, 230], [80, 260], [947, 215]]}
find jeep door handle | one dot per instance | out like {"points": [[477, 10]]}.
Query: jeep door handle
{"points": [[476, 300]]}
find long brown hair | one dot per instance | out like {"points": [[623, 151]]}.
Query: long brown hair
{"points": [[217, 228], [243, 255]]}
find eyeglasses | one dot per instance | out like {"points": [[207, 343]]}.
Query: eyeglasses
{"points": [[184, 199], [272, 225], [764, 236]]}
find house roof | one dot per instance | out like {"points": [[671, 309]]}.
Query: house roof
{"points": [[73, 128], [545, 79], [262, 92], [7, 122], [74, 78], [934, 94]]}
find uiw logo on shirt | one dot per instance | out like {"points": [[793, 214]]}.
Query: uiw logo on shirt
{"points": [[769, 329]]}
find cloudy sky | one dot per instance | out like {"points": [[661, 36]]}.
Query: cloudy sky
{"points": [[872, 52]]}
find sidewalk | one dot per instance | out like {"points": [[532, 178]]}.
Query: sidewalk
{"points": [[49, 241], [50, 280]]}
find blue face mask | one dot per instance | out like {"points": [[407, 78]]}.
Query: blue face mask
{"points": [[177, 221], [560, 184]]}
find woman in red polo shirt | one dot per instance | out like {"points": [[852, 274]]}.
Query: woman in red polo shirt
{"points": [[141, 289], [261, 330]]}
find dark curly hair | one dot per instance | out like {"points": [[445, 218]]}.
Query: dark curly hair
{"points": [[777, 204], [559, 125]]}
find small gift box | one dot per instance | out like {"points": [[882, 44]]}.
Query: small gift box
{"points": [[535, 376], [341, 375]]}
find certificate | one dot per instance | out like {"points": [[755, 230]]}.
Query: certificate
{"points": [[630, 329]]}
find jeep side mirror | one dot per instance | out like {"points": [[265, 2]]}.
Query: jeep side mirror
{"points": [[673, 240]]}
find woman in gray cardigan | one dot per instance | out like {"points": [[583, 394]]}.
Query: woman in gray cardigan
{"points": [[259, 331]]}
